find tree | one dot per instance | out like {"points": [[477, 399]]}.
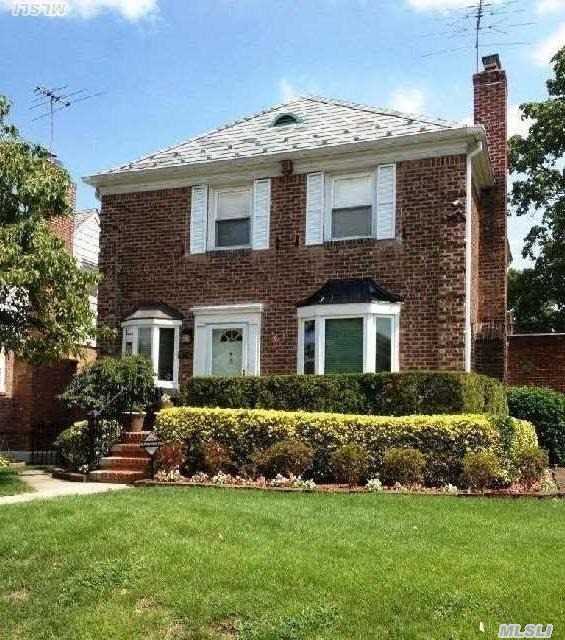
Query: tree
{"points": [[537, 161], [44, 307]]}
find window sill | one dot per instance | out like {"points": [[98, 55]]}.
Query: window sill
{"points": [[359, 241]]}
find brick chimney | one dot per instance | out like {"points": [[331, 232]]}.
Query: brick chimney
{"points": [[64, 227], [490, 110]]}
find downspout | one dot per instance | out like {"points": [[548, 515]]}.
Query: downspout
{"points": [[469, 251]]}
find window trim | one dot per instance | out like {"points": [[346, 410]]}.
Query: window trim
{"points": [[3, 371], [368, 311], [155, 325], [214, 194], [247, 317], [328, 213]]}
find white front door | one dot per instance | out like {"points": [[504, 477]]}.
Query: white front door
{"points": [[227, 352]]}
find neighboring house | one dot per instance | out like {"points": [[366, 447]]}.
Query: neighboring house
{"points": [[318, 236], [30, 412]]}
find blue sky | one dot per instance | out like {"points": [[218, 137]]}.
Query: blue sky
{"points": [[170, 69]]}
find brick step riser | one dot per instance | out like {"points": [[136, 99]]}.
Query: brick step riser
{"points": [[107, 475], [133, 464], [134, 437], [129, 451]]}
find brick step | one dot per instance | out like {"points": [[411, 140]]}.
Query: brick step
{"points": [[134, 437], [129, 451], [121, 462], [124, 476]]}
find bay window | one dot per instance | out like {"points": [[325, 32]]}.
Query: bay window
{"points": [[348, 338], [158, 340]]}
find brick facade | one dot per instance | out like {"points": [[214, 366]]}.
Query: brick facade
{"points": [[537, 360], [143, 258]]}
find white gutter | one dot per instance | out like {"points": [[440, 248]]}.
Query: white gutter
{"points": [[469, 251]]}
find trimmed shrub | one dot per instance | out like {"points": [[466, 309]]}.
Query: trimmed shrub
{"points": [[443, 439], [531, 464], [74, 443], [287, 457], [208, 456], [481, 469], [350, 464], [405, 466], [546, 410], [418, 392], [4, 462], [103, 380]]}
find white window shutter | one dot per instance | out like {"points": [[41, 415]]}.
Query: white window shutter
{"points": [[261, 213], [386, 201], [198, 218], [315, 208]]}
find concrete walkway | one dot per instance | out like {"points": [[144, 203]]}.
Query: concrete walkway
{"points": [[44, 486]]}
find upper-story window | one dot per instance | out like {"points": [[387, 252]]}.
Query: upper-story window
{"points": [[351, 206], [231, 218]]}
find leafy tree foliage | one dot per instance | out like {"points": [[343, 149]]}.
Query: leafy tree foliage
{"points": [[44, 308], [537, 161]]}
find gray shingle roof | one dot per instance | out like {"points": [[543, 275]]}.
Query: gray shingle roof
{"points": [[322, 123]]}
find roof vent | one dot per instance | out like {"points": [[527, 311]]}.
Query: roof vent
{"points": [[285, 119]]}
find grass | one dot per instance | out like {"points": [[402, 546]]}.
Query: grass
{"points": [[205, 564], [11, 483]]}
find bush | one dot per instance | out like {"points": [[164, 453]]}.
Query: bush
{"points": [[4, 462], [405, 466], [208, 456], [170, 457], [443, 439], [546, 410], [531, 464], [128, 381], [350, 464], [406, 393], [74, 444], [481, 469], [287, 457]]}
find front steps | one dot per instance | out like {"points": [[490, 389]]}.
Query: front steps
{"points": [[127, 461]]}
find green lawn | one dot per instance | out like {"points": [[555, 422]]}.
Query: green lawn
{"points": [[11, 483], [220, 564]]}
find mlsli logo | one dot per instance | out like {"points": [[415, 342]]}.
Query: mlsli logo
{"points": [[529, 631], [34, 9]]}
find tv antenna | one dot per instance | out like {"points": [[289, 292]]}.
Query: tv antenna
{"points": [[56, 99], [478, 18]]}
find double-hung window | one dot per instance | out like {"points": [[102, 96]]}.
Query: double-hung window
{"points": [[351, 206], [231, 213]]}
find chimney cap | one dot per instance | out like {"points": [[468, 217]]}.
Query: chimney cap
{"points": [[492, 62]]}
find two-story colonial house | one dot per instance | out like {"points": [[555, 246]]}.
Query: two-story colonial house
{"points": [[317, 236]]}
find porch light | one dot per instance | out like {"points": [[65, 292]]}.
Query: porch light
{"points": [[151, 445]]}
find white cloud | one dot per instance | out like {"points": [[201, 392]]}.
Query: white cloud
{"points": [[545, 49], [549, 6], [517, 126], [132, 10], [287, 90], [408, 100]]}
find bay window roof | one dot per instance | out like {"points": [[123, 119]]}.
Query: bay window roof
{"points": [[157, 311], [351, 290]]}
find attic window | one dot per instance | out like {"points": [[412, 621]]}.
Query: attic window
{"points": [[285, 119]]}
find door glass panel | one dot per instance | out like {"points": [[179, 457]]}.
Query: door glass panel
{"points": [[166, 354], [227, 352], [144, 342], [309, 346], [344, 346], [384, 342]]}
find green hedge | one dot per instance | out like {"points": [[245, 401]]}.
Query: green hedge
{"points": [[443, 438], [546, 410], [399, 394]]}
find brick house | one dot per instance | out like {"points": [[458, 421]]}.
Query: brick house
{"points": [[317, 236], [30, 412]]}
